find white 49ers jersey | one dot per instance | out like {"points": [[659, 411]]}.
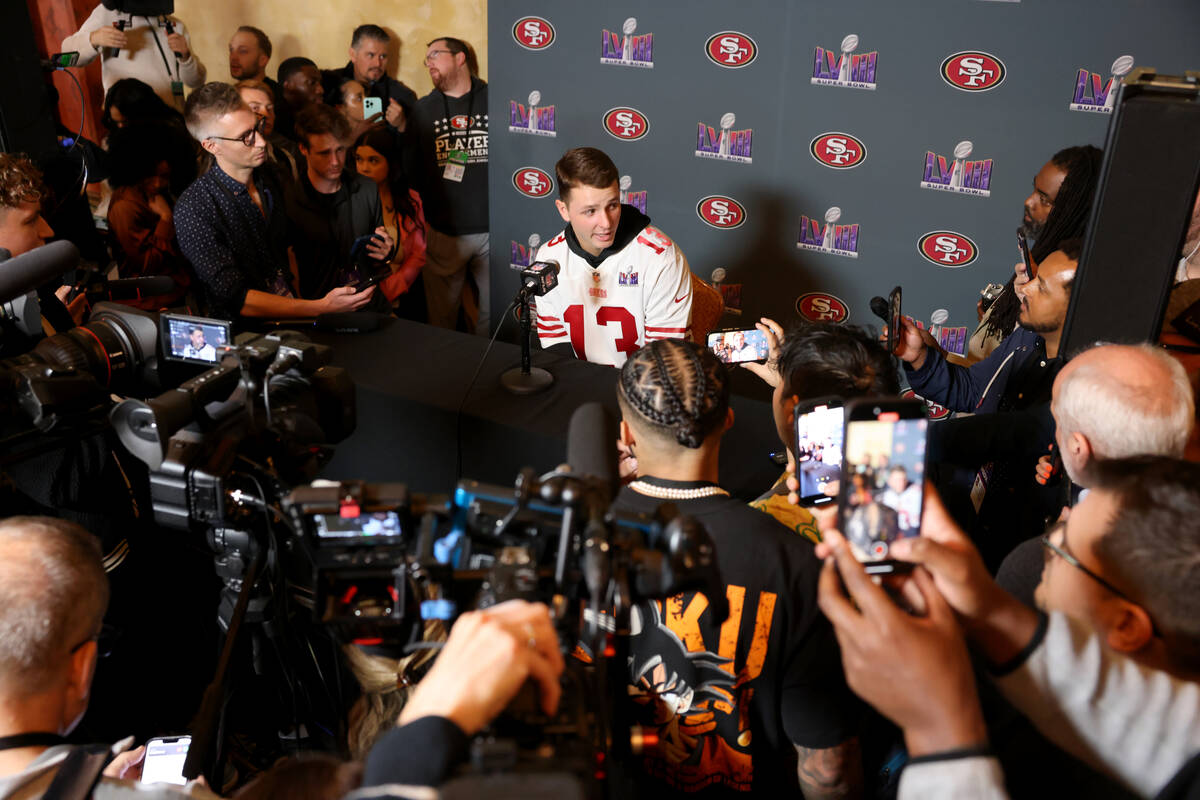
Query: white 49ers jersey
{"points": [[641, 293]]}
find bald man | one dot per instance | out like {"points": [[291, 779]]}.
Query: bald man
{"points": [[1109, 402]]}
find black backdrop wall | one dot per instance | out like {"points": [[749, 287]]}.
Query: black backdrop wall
{"points": [[747, 130]]}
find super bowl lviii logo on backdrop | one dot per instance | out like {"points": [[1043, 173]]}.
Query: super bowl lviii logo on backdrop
{"points": [[838, 150], [721, 211], [821, 307], [831, 68], [1093, 93], [947, 249], [840, 240], [626, 123], [958, 174], [533, 33], [731, 49], [532, 182], [534, 118], [522, 254], [635, 199], [728, 144], [973, 71], [625, 49]]}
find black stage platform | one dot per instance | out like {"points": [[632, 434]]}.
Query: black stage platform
{"points": [[411, 379]]}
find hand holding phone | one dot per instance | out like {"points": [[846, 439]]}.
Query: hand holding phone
{"points": [[1026, 258], [164, 760], [895, 321], [818, 449], [372, 107]]}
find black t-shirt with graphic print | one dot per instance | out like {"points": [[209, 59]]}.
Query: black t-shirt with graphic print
{"points": [[731, 700], [437, 126]]}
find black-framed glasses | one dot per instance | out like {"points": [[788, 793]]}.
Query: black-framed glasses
{"points": [[432, 54], [1066, 556], [105, 639], [246, 138]]}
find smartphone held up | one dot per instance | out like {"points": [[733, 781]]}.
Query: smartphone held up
{"points": [[739, 346]]}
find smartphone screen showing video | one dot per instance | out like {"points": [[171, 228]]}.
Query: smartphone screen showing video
{"points": [[739, 347], [883, 474], [819, 450]]}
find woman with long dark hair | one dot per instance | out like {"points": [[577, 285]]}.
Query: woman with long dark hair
{"points": [[377, 157]]}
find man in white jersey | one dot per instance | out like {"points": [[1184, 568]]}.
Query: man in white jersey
{"points": [[622, 282]]}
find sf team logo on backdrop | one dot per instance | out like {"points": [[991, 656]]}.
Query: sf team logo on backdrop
{"points": [[731, 49], [721, 211], [846, 69], [840, 240], [533, 182], [626, 123], [973, 71], [947, 248], [635, 199], [958, 175], [935, 411], [534, 118], [1092, 94], [626, 50], [728, 145], [821, 307], [838, 150], [533, 33], [522, 254]]}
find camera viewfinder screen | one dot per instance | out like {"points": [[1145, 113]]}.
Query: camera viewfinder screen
{"points": [[738, 347], [377, 523], [819, 452], [885, 474], [193, 339]]}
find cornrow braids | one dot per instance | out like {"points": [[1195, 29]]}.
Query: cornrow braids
{"points": [[1068, 218], [679, 388]]}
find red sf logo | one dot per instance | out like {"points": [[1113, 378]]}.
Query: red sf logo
{"points": [[973, 71], [731, 49], [838, 150], [947, 248], [935, 411], [533, 33], [720, 211], [626, 123], [820, 307], [532, 182], [460, 122]]}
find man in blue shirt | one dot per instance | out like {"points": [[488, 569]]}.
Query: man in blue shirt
{"points": [[231, 222]]}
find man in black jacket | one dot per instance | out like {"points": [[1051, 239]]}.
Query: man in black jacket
{"points": [[368, 66]]}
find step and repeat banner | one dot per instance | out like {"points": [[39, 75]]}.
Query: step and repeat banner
{"points": [[808, 156]]}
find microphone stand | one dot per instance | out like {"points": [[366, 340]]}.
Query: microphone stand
{"points": [[526, 379]]}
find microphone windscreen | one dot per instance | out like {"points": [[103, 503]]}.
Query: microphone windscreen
{"points": [[29, 270], [879, 307], [349, 321], [592, 445]]}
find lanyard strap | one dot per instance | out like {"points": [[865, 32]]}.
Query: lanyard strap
{"points": [[154, 35], [19, 740]]}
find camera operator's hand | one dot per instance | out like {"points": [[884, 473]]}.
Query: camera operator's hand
{"points": [[928, 686], [394, 114], [910, 345], [485, 662], [345, 298], [108, 36], [178, 44], [768, 371]]}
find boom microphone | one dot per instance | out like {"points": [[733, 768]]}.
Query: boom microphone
{"points": [[592, 445], [41, 264]]}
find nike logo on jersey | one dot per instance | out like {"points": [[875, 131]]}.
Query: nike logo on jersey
{"points": [[685, 297]]}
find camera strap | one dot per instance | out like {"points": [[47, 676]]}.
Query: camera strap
{"points": [[19, 740], [152, 24]]}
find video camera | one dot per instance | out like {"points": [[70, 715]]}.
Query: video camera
{"points": [[140, 8]]}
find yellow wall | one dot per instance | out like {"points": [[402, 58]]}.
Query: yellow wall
{"points": [[320, 30]]}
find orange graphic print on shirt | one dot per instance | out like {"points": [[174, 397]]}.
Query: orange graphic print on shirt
{"points": [[697, 699]]}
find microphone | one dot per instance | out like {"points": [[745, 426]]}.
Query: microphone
{"points": [[539, 278], [592, 446], [112, 52], [170, 29], [880, 308], [41, 264]]}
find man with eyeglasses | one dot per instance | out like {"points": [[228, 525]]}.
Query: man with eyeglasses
{"points": [[53, 596], [447, 138], [231, 222]]}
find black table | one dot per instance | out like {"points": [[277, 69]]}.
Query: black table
{"points": [[411, 379]]}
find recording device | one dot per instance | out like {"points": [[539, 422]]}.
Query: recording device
{"points": [[739, 345], [881, 495], [363, 285], [894, 321], [23, 273], [60, 61], [372, 106], [141, 8], [539, 278], [358, 250], [164, 759], [818, 443], [1026, 258], [170, 28], [193, 340], [113, 52]]}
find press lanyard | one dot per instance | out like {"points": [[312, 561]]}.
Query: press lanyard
{"points": [[154, 35]]}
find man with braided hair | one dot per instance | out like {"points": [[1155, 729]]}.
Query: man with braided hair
{"points": [[622, 282], [756, 702]]}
